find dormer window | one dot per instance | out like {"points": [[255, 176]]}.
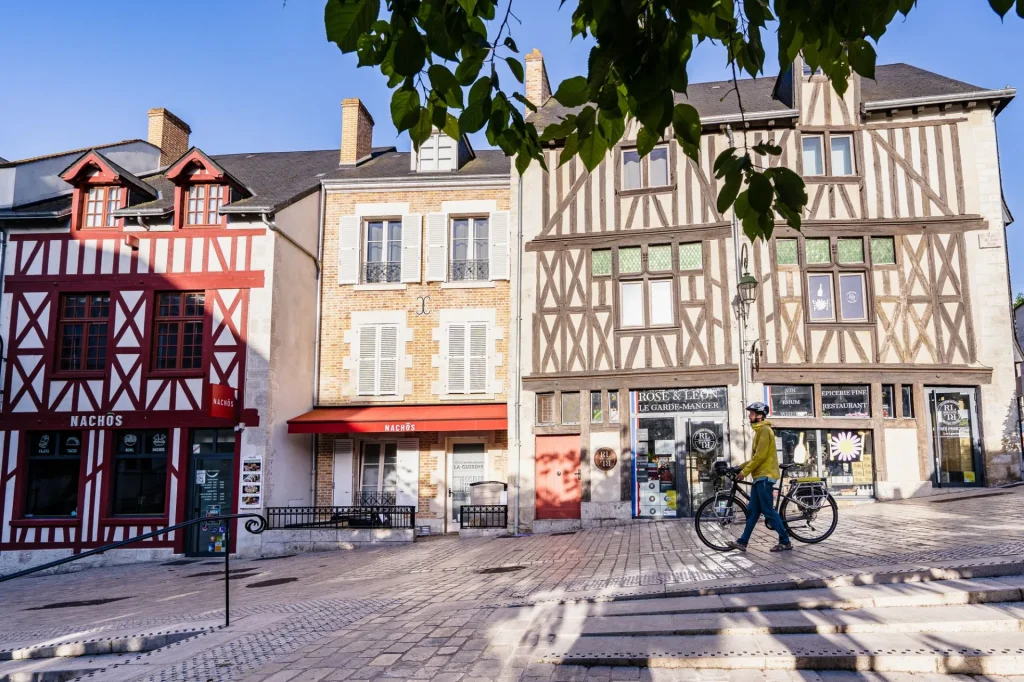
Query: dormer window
{"points": [[438, 153], [204, 202], [100, 203]]}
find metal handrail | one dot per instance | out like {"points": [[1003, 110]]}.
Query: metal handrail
{"points": [[256, 524]]}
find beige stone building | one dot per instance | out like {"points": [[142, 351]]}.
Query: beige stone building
{"points": [[412, 378], [880, 334]]}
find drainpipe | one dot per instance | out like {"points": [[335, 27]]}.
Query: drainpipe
{"points": [[142, 223], [519, 353], [316, 337], [742, 320], [3, 280]]}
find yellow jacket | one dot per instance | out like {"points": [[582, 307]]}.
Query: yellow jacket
{"points": [[765, 460]]}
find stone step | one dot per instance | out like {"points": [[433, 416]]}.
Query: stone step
{"points": [[968, 653], [53, 669], [959, 618], [113, 643], [933, 593]]}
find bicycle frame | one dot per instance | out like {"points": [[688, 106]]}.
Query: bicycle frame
{"points": [[735, 491]]}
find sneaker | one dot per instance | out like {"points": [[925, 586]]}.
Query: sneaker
{"points": [[782, 547], [735, 544]]}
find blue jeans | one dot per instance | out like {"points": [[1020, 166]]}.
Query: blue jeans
{"points": [[761, 503]]}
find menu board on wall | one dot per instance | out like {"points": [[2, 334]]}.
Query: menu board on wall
{"points": [[845, 401], [715, 399], [790, 401], [252, 483]]}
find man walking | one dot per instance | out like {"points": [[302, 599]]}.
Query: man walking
{"points": [[764, 468]]}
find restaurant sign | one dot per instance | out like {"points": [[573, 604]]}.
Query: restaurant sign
{"points": [[845, 401], [714, 399]]}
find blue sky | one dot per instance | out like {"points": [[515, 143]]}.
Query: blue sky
{"points": [[258, 75]]}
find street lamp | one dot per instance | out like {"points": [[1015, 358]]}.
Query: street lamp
{"points": [[747, 287]]}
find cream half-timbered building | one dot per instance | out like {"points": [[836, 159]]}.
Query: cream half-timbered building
{"points": [[880, 336]]}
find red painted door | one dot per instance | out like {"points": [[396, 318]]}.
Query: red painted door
{"points": [[558, 477]]}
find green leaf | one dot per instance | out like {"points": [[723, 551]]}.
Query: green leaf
{"points": [[511, 44], [727, 195], [686, 123], [741, 206], [346, 21], [725, 163], [467, 70], [527, 103], [451, 127], [760, 192], [645, 141], [442, 80], [571, 148], [556, 131], [593, 150], [789, 187], [474, 116], [410, 53], [522, 162], [421, 131], [516, 67], [469, 6], [438, 114], [862, 58], [1001, 6], [768, 148], [573, 92], [480, 89], [405, 108]]}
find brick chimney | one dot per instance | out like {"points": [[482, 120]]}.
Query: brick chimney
{"points": [[356, 132], [538, 90], [169, 133]]}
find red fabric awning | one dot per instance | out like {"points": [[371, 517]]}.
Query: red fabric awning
{"points": [[402, 419]]}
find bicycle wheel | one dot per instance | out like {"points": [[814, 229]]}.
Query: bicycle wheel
{"points": [[810, 525], [719, 522]]}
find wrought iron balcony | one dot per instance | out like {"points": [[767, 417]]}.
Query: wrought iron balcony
{"points": [[375, 498], [382, 271], [469, 270]]}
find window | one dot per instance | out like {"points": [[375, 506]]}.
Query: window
{"points": [[883, 251], [596, 408], [383, 251], [845, 401], [179, 330], [808, 71], [545, 408], [613, 407], [659, 258], [54, 466], [83, 332], [570, 408], [691, 256], [659, 167], [438, 153], [630, 260], [786, 252], [378, 359], [662, 310], [631, 304], [378, 474], [814, 163], [850, 251], [100, 203], [908, 401], [601, 262], [467, 358], [631, 169], [790, 400], [852, 306], [140, 472], [888, 401], [204, 202], [819, 287], [817, 251], [842, 154], [470, 258]]}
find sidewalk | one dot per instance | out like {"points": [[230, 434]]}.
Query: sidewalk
{"points": [[423, 611]]}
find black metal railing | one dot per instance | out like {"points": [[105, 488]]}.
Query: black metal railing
{"points": [[382, 271], [377, 516], [483, 516], [376, 498], [255, 524], [469, 270]]}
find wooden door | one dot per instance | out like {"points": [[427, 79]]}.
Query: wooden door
{"points": [[559, 476]]}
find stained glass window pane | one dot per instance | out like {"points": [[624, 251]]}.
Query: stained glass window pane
{"points": [[786, 252], [659, 258], [883, 251], [851, 250], [601, 263], [691, 256], [629, 260], [817, 251]]}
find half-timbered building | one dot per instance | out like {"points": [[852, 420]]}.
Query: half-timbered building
{"points": [[158, 319], [880, 335], [411, 392]]}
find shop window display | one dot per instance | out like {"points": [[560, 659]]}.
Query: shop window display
{"points": [[844, 457]]}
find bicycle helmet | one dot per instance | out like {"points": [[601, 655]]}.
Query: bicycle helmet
{"points": [[758, 407]]}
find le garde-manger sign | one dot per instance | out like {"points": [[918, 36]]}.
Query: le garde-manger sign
{"points": [[715, 399]]}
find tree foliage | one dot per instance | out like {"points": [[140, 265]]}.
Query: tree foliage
{"points": [[449, 68]]}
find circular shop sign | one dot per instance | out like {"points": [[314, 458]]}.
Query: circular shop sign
{"points": [[605, 459], [704, 440]]}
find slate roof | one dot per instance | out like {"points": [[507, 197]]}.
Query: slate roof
{"points": [[17, 162], [386, 163], [53, 207], [714, 99], [127, 176]]}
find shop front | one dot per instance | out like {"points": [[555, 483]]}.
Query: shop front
{"points": [[955, 436], [677, 434]]}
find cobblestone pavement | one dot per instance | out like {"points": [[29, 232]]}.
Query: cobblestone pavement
{"points": [[428, 611]]}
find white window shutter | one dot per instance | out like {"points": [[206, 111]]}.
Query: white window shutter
{"points": [[478, 358], [407, 492], [368, 359], [412, 244], [499, 265], [343, 448], [348, 250], [437, 247], [457, 358], [388, 384]]}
